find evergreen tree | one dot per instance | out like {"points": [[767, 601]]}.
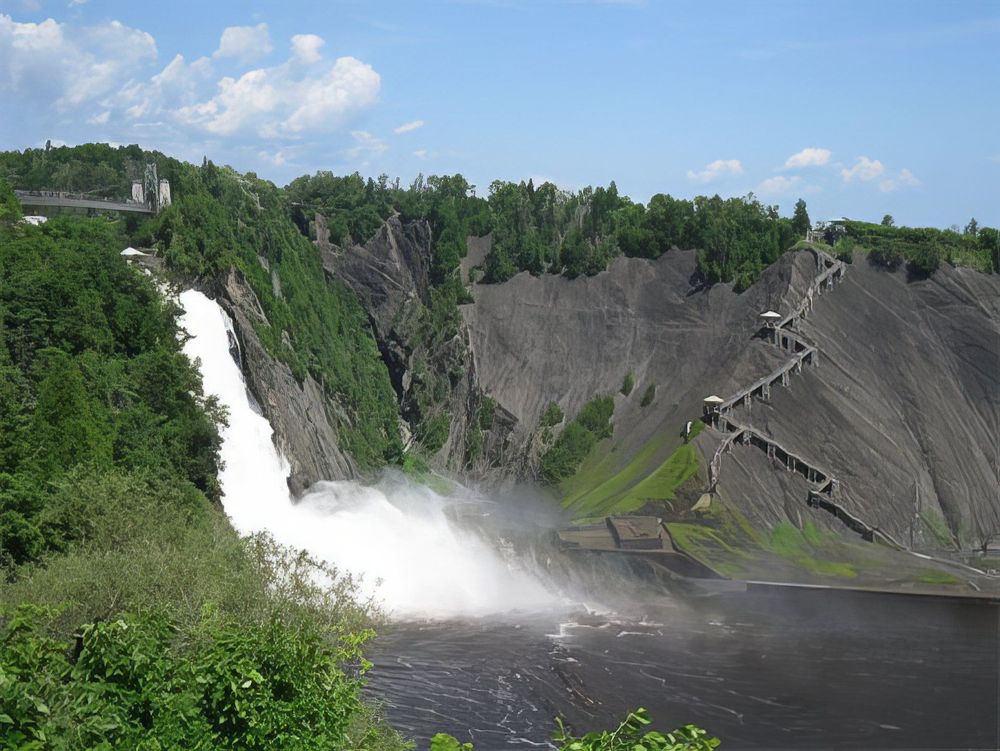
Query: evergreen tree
{"points": [[800, 219]]}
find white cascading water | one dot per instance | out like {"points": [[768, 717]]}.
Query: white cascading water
{"points": [[415, 559]]}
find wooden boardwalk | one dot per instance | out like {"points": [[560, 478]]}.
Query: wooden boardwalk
{"points": [[822, 483]]}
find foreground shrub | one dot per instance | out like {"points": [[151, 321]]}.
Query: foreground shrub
{"points": [[140, 682], [630, 735]]}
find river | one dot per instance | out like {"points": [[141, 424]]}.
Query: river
{"points": [[788, 670], [492, 632]]}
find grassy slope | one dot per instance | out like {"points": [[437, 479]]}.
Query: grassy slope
{"points": [[598, 490], [724, 539]]}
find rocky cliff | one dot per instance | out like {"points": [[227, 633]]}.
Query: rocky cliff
{"points": [[901, 406], [301, 415], [431, 367]]}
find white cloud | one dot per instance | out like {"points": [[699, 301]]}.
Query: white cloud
{"points": [[108, 74], [306, 48], [905, 178], [409, 127], [809, 157], [420, 153], [244, 43], [778, 185], [50, 64], [175, 85], [273, 102], [278, 158], [365, 146], [716, 169], [319, 102], [864, 169]]}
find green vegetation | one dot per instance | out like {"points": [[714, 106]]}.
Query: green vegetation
{"points": [[552, 416], [844, 249], [800, 546], [636, 485], [131, 614], [938, 577], [434, 432], [648, 395], [222, 219], [938, 527], [800, 219], [591, 425], [92, 376], [633, 734], [628, 384], [924, 249], [417, 468], [545, 229]]}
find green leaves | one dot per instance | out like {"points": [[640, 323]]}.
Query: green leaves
{"points": [[631, 735], [445, 742], [577, 439], [132, 681]]}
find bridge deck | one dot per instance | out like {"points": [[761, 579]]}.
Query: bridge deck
{"points": [[40, 199]]}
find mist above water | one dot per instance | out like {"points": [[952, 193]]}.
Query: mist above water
{"points": [[409, 545]]}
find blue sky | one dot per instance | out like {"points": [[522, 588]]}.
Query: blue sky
{"points": [[860, 108]]}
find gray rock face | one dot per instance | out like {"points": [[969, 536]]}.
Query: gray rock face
{"points": [[902, 409], [904, 406], [389, 274], [299, 413], [537, 340]]}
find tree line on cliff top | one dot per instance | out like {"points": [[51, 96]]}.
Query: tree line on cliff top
{"points": [[539, 229]]}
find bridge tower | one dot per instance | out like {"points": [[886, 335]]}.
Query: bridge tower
{"points": [[150, 187]]}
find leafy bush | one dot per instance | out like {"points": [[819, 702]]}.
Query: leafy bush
{"points": [[629, 383], [925, 247], [595, 416], [564, 457], [487, 412], [552, 416], [569, 450], [433, 432], [887, 255], [844, 249], [924, 260], [131, 682]]}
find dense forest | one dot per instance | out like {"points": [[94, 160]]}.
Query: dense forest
{"points": [[132, 615]]}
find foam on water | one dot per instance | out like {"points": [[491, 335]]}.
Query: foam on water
{"points": [[414, 555]]}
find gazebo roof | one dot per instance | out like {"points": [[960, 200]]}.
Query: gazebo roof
{"points": [[770, 314], [130, 251], [713, 399]]}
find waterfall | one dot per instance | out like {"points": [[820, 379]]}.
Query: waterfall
{"points": [[403, 539]]}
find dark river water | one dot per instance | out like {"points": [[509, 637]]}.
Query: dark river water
{"points": [[776, 670]]}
